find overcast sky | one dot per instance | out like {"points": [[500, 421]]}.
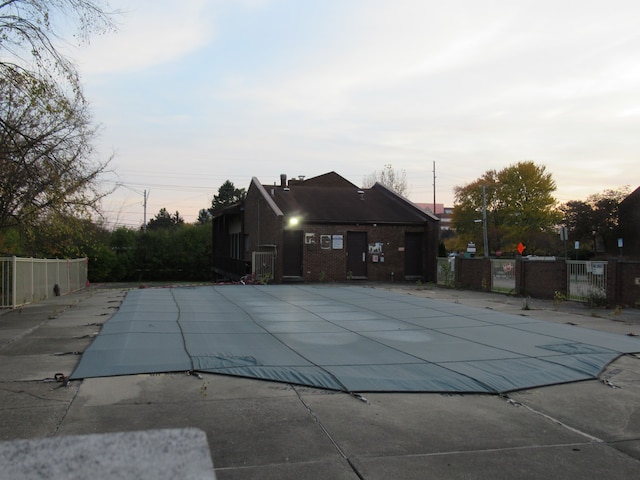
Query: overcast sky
{"points": [[193, 93]]}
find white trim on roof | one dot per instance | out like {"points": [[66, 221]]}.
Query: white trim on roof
{"points": [[267, 197]]}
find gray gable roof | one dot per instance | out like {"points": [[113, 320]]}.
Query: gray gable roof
{"points": [[330, 198]]}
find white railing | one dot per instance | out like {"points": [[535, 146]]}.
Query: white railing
{"points": [[27, 280], [587, 281], [262, 265], [446, 271]]}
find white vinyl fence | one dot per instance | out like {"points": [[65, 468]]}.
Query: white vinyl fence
{"points": [[262, 265], [587, 281], [446, 271], [26, 280]]}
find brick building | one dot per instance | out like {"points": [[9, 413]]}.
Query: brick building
{"points": [[326, 229], [629, 225], [445, 214]]}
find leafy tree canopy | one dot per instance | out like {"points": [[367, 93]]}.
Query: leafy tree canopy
{"points": [[594, 222], [47, 172], [46, 154], [520, 208]]}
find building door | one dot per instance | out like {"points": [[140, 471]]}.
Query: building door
{"points": [[413, 254], [357, 254], [292, 253]]}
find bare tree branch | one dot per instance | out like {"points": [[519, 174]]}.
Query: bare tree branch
{"points": [[390, 178], [29, 30], [46, 155]]}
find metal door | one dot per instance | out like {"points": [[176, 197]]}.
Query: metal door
{"points": [[357, 254], [292, 254], [413, 254]]}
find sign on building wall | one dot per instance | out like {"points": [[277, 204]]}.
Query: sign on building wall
{"points": [[337, 242], [375, 247]]}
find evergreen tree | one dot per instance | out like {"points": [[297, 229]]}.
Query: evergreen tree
{"points": [[227, 195]]}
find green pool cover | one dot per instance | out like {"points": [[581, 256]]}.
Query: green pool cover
{"points": [[353, 339]]}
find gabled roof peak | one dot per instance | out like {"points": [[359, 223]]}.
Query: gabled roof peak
{"points": [[330, 180]]}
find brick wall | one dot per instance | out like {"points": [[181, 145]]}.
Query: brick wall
{"points": [[621, 283], [629, 226], [329, 264], [541, 279], [321, 262], [473, 273], [262, 227]]}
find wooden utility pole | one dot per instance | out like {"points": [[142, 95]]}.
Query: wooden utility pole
{"points": [[144, 225], [434, 187], [485, 236]]}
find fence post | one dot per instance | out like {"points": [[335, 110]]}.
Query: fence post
{"points": [[614, 281], [31, 285], [14, 281], [46, 279], [519, 276]]}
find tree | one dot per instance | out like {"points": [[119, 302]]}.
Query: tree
{"points": [[182, 253], [228, 194], [29, 28], [47, 173], [594, 222], [204, 216], [389, 177], [47, 167], [124, 244], [164, 220], [520, 208]]}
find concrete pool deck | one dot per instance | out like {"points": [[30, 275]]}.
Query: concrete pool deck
{"points": [[259, 429]]}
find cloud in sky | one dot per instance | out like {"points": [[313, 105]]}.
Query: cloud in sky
{"points": [[192, 94], [148, 34]]}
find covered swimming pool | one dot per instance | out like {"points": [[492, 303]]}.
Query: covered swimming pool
{"points": [[346, 338]]}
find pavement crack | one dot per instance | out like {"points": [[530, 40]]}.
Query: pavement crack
{"points": [[66, 411], [575, 446], [554, 420], [32, 395], [333, 441], [22, 334]]}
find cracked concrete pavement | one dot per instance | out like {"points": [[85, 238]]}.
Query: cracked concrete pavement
{"points": [[258, 429]]}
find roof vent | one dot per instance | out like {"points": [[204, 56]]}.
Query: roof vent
{"points": [[361, 193], [301, 177], [286, 189]]}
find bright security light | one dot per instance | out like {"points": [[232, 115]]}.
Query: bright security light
{"points": [[293, 221]]}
